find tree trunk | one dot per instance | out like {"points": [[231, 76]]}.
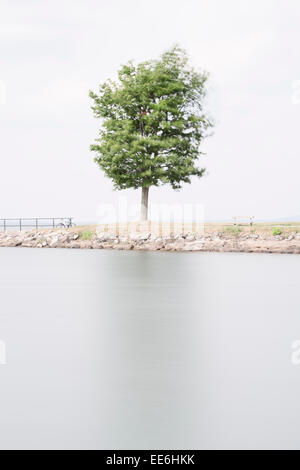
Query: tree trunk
{"points": [[144, 203]]}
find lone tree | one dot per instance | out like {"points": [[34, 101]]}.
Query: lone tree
{"points": [[153, 124]]}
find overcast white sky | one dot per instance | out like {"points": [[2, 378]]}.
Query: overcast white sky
{"points": [[53, 52]]}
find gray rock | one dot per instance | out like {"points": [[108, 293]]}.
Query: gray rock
{"points": [[193, 246], [190, 237], [139, 236], [53, 241]]}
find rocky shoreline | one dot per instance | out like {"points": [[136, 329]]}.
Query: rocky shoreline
{"points": [[213, 242]]}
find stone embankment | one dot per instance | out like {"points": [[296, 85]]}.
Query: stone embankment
{"points": [[213, 242]]}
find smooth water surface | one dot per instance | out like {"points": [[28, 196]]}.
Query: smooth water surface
{"points": [[139, 350]]}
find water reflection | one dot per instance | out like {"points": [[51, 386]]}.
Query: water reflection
{"points": [[148, 350]]}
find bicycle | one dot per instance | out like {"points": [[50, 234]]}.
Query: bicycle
{"points": [[65, 223]]}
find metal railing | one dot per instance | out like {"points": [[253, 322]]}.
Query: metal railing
{"points": [[36, 223]]}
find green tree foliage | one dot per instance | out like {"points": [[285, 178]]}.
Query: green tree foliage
{"points": [[153, 122]]}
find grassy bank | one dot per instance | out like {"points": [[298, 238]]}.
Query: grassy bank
{"points": [[87, 232]]}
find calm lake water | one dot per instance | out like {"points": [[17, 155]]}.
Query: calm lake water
{"points": [[137, 350]]}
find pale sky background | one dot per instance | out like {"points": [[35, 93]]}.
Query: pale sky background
{"points": [[53, 52]]}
